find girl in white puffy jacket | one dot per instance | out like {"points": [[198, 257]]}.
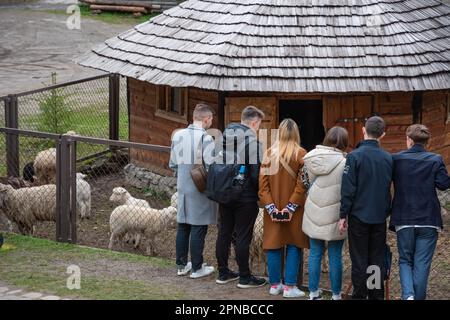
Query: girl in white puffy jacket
{"points": [[325, 166]]}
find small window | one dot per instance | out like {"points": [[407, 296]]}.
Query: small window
{"points": [[172, 103]]}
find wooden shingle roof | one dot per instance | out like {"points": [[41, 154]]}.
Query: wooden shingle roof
{"points": [[287, 46]]}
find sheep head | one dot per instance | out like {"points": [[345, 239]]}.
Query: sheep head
{"points": [[119, 195], [81, 175]]}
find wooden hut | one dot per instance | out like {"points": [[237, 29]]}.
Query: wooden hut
{"points": [[321, 62]]}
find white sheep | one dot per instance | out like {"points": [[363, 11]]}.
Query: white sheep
{"points": [[142, 221], [122, 197], [45, 167], [256, 247], [83, 196], [26, 206]]}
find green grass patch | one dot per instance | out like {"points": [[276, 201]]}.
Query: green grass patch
{"points": [[40, 265], [108, 17], [92, 121]]}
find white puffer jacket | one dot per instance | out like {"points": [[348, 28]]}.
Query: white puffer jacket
{"points": [[325, 166]]}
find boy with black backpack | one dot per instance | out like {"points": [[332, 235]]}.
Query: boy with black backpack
{"points": [[233, 183]]}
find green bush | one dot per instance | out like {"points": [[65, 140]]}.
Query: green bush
{"points": [[55, 114]]}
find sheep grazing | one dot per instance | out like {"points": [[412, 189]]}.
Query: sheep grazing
{"points": [[45, 166], [142, 221], [256, 247], [83, 196], [27, 206], [122, 197]]}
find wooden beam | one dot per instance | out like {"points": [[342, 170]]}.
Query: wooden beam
{"points": [[118, 8], [143, 4]]}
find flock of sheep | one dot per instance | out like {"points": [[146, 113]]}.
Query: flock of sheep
{"points": [[32, 199], [29, 200]]}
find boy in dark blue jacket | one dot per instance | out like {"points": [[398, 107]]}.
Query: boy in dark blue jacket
{"points": [[365, 204], [416, 211]]}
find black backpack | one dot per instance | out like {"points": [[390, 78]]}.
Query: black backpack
{"points": [[219, 184]]}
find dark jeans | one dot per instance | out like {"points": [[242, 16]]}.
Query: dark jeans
{"points": [[238, 217], [415, 249], [197, 236], [367, 246]]}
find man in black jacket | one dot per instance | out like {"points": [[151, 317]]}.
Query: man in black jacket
{"points": [[365, 204], [416, 211], [242, 147]]}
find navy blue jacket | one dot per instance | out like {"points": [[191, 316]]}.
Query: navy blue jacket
{"points": [[366, 183], [417, 174]]}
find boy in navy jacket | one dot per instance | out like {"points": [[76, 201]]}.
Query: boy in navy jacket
{"points": [[416, 211], [365, 204]]}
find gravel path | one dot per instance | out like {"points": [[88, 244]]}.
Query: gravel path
{"points": [[35, 43]]}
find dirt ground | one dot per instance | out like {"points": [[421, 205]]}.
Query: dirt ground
{"points": [[35, 43]]}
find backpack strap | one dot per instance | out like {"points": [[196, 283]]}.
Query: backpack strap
{"points": [[288, 168]]}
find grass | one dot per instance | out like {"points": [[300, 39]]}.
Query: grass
{"points": [[108, 17], [40, 265]]}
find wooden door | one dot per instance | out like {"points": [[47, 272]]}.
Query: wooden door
{"points": [[348, 112], [235, 105]]}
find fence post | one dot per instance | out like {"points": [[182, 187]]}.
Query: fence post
{"points": [[65, 192], [114, 105], [12, 140], [73, 186]]}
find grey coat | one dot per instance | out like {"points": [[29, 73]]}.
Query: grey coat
{"points": [[193, 206]]}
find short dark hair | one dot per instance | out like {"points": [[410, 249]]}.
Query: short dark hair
{"points": [[375, 127], [336, 137], [202, 110], [251, 113], [419, 133]]}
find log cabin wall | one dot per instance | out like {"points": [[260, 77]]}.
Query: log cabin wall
{"points": [[396, 109], [435, 111], [146, 127], [348, 111]]}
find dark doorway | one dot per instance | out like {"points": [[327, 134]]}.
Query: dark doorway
{"points": [[309, 117]]}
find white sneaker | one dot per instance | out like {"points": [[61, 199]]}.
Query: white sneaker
{"points": [[336, 296], [293, 292], [315, 295], [185, 270], [410, 298], [276, 289], [203, 272]]}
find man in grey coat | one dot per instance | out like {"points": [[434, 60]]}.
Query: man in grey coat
{"points": [[195, 210]]}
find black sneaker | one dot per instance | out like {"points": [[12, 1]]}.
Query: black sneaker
{"points": [[251, 282], [226, 277]]}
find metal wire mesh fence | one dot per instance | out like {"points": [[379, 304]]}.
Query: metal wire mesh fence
{"points": [[94, 107]]}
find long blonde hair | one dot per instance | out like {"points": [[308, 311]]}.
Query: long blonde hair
{"points": [[288, 141]]}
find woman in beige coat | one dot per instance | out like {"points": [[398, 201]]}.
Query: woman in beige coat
{"points": [[282, 192], [325, 166]]}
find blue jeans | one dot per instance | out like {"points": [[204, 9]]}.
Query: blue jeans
{"points": [[294, 256], [196, 235], [415, 249], [315, 264]]}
